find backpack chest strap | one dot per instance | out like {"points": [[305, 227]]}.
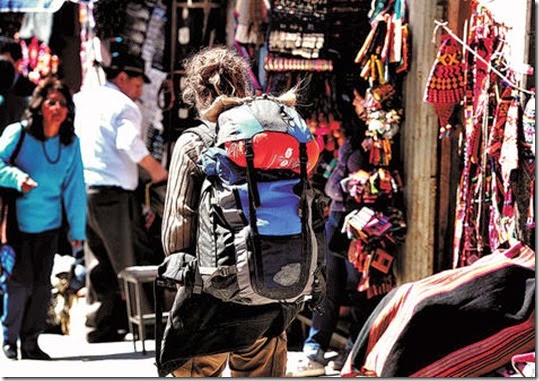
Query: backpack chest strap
{"points": [[223, 271], [210, 272]]}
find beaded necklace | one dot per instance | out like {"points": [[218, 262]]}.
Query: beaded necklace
{"points": [[58, 155]]}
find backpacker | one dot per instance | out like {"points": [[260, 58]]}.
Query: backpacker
{"points": [[260, 235]]}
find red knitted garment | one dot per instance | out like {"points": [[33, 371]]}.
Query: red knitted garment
{"points": [[445, 87]]}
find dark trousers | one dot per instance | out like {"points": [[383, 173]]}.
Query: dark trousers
{"points": [[112, 241], [342, 281], [28, 291]]}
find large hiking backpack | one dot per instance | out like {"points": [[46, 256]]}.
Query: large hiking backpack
{"points": [[260, 235]]}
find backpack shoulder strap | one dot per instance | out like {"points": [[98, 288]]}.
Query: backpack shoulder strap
{"points": [[18, 146], [206, 132]]}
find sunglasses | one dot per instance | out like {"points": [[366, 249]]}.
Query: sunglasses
{"points": [[54, 102]]}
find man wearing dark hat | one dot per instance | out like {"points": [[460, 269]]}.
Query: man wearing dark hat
{"points": [[109, 125]]}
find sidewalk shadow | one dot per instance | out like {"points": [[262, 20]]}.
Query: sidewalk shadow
{"points": [[115, 356]]}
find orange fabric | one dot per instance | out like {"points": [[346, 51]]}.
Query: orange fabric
{"points": [[273, 150]]}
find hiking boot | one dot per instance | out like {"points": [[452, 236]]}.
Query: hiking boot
{"points": [[307, 368], [10, 351], [35, 354]]}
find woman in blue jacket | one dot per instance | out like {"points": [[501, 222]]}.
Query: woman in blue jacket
{"points": [[48, 171]]}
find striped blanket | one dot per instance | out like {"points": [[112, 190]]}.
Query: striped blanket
{"points": [[464, 322]]}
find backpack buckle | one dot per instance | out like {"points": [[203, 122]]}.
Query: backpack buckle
{"points": [[228, 270], [249, 151], [166, 283]]}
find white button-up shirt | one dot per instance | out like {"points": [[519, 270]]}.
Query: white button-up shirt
{"points": [[109, 126]]}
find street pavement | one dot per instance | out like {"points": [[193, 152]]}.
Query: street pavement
{"points": [[74, 358]]}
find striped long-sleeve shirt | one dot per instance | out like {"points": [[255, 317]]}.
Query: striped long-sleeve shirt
{"points": [[179, 223]]}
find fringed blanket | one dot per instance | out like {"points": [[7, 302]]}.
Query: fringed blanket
{"points": [[463, 322]]}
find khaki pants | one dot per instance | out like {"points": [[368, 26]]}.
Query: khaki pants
{"points": [[265, 358]]}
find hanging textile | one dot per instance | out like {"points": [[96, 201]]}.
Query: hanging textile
{"points": [[445, 86], [529, 125], [496, 189], [495, 158], [468, 243], [252, 20], [386, 51], [509, 151], [527, 163], [38, 24], [378, 227], [298, 29], [250, 28]]}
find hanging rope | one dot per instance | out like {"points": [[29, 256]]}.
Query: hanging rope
{"points": [[440, 24]]}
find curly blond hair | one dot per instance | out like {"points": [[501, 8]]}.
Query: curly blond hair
{"points": [[213, 72]]}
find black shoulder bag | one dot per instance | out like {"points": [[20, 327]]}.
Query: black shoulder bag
{"points": [[8, 221]]}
